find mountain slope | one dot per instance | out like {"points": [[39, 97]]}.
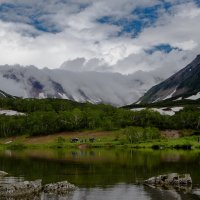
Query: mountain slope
{"points": [[4, 95], [183, 84], [94, 87]]}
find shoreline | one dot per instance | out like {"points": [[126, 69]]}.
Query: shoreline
{"points": [[102, 139]]}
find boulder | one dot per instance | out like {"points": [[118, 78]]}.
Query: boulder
{"points": [[59, 188], [29, 189], [20, 188], [2, 173], [173, 180], [26, 197]]}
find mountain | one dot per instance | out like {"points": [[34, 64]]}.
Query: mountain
{"points": [[94, 87], [185, 84], [4, 95]]}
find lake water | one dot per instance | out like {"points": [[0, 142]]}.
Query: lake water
{"points": [[103, 174]]}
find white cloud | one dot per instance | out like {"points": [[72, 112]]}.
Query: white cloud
{"points": [[79, 35], [180, 28]]}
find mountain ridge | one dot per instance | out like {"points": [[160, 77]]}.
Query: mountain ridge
{"points": [[182, 84], [94, 87]]}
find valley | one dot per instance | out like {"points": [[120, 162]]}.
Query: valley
{"points": [[99, 100], [53, 123]]}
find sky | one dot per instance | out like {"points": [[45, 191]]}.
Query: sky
{"points": [[122, 36]]}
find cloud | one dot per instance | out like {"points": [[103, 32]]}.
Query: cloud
{"points": [[179, 28], [50, 33]]}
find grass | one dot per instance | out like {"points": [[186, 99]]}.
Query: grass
{"points": [[108, 139], [189, 142], [52, 141]]}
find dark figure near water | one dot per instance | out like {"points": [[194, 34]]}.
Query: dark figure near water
{"points": [[74, 140], [92, 139]]}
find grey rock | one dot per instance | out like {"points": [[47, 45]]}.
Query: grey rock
{"points": [[26, 197], [20, 188], [59, 188], [2, 173], [169, 181]]}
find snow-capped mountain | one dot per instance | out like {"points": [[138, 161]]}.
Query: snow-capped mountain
{"points": [[95, 87], [184, 84]]}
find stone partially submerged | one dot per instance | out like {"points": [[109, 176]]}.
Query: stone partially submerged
{"points": [[29, 189], [174, 180], [18, 189], [59, 188], [2, 173]]}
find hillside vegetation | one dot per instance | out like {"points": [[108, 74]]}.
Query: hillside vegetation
{"points": [[48, 116]]}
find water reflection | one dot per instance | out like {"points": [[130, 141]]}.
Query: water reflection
{"points": [[123, 192], [103, 174], [118, 192], [159, 194]]}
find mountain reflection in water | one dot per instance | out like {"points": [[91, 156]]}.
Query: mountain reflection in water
{"points": [[103, 174]]}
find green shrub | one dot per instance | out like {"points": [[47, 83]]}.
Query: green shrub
{"points": [[60, 141], [139, 134], [151, 133]]}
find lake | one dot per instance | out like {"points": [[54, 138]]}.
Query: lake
{"points": [[112, 174]]}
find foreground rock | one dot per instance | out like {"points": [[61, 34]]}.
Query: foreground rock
{"points": [[26, 197], [29, 189], [17, 189], [59, 188], [2, 173], [169, 181]]}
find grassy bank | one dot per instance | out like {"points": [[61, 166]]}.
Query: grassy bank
{"points": [[108, 139]]}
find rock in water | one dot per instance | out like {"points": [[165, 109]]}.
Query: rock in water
{"points": [[2, 173], [174, 180], [20, 188], [59, 188]]}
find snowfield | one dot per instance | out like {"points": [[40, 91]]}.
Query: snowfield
{"points": [[194, 97], [179, 99], [10, 113], [163, 111]]}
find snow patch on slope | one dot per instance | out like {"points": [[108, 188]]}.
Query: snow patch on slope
{"points": [[170, 95], [2, 94], [163, 111], [156, 100], [63, 96], [194, 97], [10, 113], [42, 95], [179, 99]]}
